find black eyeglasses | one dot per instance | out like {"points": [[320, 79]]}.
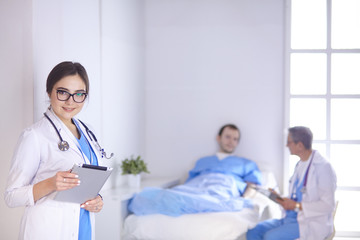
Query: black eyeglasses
{"points": [[78, 97]]}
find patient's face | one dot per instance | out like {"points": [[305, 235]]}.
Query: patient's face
{"points": [[228, 140]]}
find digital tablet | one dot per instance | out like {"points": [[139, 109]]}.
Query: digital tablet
{"points": [[272, 195], [92, 180]]}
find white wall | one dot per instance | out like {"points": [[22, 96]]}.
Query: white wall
{"points": [[122, 24], [209, 63], [16, 101]]}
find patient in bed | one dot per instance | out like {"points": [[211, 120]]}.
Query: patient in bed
{"points": [[216, 184]]}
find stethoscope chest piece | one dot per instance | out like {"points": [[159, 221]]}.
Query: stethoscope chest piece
{"points": [[63, 145]]}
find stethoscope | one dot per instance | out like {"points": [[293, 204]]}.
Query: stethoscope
{"points": [[64, 145], [303, 189]]}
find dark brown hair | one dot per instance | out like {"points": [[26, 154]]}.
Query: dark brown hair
{"points": [[232, 126], [65, 69]]}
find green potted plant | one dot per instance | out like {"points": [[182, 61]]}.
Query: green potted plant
{"points": [[132, 167]]}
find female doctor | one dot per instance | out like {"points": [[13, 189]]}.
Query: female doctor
{"points": [[41, 163], [312, 196]]}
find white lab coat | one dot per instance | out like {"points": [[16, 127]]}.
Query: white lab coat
{"points": [[37, 157], [316, 220]]}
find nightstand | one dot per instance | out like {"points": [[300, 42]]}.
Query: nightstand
{"points": [[110, 220]]}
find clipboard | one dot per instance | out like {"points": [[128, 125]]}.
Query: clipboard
{"points": [[92, 180], [273, 196]]}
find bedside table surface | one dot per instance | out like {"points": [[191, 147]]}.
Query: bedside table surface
{"points": [[124, 192]]}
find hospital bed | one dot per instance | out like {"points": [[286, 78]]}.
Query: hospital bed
{"points": [[207, 226]]}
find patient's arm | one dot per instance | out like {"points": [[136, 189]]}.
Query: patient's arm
{"points": [[249, 190]]}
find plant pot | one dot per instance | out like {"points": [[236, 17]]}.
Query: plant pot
{"points": [[134, 180]]}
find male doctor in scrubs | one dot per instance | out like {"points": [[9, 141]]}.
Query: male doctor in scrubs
{"points": [[312, 196]]}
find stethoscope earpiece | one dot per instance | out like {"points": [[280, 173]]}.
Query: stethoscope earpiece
{"points": [[92, 136], [104, 154]]}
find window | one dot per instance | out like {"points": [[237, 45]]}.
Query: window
{"points": [[323, 93]]}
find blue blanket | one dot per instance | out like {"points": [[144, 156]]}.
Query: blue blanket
{"points": [[212, 186]]}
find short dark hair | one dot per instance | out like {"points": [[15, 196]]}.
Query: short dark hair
{"points": [[229, 125], [65, 69], [303, 135]]}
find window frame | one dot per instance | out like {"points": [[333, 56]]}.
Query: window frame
{"points": [[328, 97]]}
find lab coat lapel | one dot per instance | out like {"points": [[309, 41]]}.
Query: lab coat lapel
{"points": [[311, 176], [66, 135], [92, 142], [292, 180]]}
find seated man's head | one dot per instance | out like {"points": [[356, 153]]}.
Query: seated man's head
{"points": [[299, 139], [228, 138]]}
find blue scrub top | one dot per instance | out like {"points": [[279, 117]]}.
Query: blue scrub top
{"points": [[85, 224], [296, 195]]}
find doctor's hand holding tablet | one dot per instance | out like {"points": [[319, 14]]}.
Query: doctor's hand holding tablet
{"points": [[44, 156], [65, 180]]}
